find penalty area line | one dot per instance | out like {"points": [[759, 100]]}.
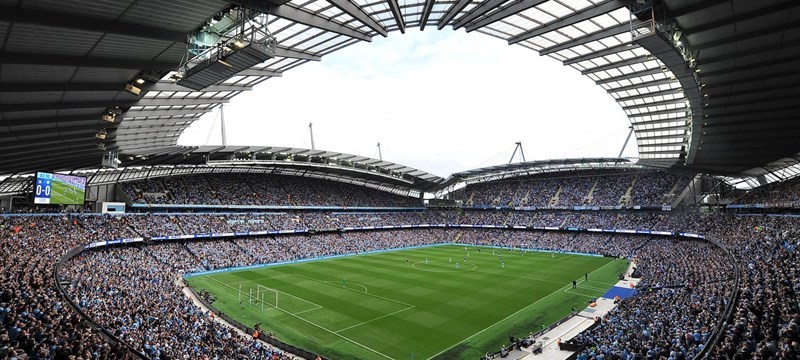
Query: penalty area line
{"points": [[321, 327], [377, 318]]}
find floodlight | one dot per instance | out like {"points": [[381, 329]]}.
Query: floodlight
{"points": [[133, 89], [109, 117]]}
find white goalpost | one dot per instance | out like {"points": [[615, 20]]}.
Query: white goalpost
{"points": [[260, 296]]}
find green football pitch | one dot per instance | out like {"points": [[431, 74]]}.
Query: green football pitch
{"points": [[378, 306], [64, 193]]}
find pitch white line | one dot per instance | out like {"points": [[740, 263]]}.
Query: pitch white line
{"points": [[261, 278], [305, 311], [567, 287], [491, 326], [377, 318], [572, 291], [333, 283], [359, 292], [321, 327]]}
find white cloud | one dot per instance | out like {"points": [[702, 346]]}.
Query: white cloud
{"points": [[439, 101]]}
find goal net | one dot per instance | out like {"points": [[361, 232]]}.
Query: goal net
{"points": [[260, 296]]}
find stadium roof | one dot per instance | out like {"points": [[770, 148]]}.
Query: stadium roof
{"points": [[712, 82], [511, 170], [336, 166]]}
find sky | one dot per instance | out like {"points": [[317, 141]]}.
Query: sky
{"points": [[439, 101]]}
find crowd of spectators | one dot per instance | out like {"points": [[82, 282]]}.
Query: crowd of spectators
{"points": [[783, 194], [35, 323], [260, 189], [667, 185], [609, 187], [139, 300], [132, 290]]}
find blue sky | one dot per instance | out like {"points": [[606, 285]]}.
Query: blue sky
{"points": [[440, 101]]}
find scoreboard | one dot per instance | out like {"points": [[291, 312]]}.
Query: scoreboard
{"points": [[52, 188]]}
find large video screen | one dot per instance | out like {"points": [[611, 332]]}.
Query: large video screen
{"points": [[59, 189]]}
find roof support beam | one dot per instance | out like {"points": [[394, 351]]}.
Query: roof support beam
{"points": [[706, 61], [746, 36], [306, 18], [426, 14], [55, 148], [756, 78], [771, 110], [656, 122], [506, 12], [398, 15], [614, 65], [658, 152], [180, 102], [74, 21], [294, 54], [665, 128], [100, 62], [745, 16], [696, 7], [571, 19], [53, 164], [66, 105], [358, 14], [477, 12], [145, 147], [656, 103], [678, 143], [151, 131], [739, 124], [788, 86], [51, 157], [157, 122], [55, 142], [46, 87], [107, 104], [612, 31], [55, 120], [259, 72], [751, 67], [630, 76], [452, 12], [662, 112], [650, 94], [163, 113], [662, 137], [87, 131], [770, 127], [171, 86], [155, 135], [642, 85], [596, 54]]}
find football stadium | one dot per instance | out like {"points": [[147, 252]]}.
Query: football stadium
{"points": [[119, 242]]}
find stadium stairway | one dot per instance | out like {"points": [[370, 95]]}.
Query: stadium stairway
{"points": [[626, 198], [589, 198], [554, 200]]}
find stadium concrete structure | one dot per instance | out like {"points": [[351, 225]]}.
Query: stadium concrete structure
{"points": [[710, 88]]}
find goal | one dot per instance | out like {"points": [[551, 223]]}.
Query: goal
{"points": [[261, 297]]}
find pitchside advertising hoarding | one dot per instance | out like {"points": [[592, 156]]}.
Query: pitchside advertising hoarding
{"points": [[52, 188]]}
